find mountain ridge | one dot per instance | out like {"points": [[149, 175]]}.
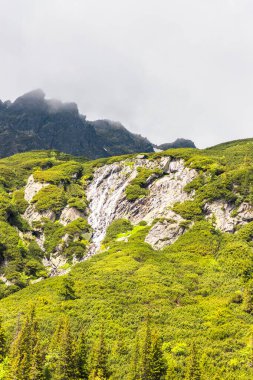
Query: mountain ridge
{"points": [[33, 122]]}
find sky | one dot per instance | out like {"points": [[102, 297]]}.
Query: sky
{"points": [[163, 68]]}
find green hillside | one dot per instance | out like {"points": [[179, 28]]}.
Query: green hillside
{"points": [[196, 295]]}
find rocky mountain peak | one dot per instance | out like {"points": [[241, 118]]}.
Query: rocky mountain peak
{"points": [[33, 100]]}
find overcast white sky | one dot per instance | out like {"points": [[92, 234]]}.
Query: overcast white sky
{"points": [[164, 68]]}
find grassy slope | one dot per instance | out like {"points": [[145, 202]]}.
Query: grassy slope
{"points": [[190, 290], [187, 290]]}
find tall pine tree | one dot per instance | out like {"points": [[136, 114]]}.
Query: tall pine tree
{"points": [[153, 363], [2, 342], [247, 305], [135, 365], [64, 367], [26, 358], [99, 362], [81, 357], [193, 372], [146, 354], [158, 365]]}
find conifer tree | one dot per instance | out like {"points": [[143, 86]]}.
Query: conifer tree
{"points": [[37, 363], [65, 364], [54, 351], [135, 370], [194, 372], [158, 365], [247, 305], [81, 357], [2, 342], [99, 366], [153, 363], [146, 354], [26, 358]]}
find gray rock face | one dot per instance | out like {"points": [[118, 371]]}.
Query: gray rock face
{"points": [[55, 264], [32, 215], [56, 261], [69, 214], [178, 143], [165, 232], [107, 200], [221, 212], [226, 216], [32, 188], [245, 212]]}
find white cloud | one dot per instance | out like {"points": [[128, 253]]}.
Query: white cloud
{"points": [[163, 68]]}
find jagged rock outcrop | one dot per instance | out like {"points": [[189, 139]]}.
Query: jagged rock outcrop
{"points": [[55, 264], [106, 194], [55, 261], [107, 199], [165, 231], [117, 140], [227, 216], [31, 214], [33, 122], [69, 214], [178, 143], [220, 211], [32, 188]]}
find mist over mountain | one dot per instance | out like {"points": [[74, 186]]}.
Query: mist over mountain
{"points": [[33, 122]]}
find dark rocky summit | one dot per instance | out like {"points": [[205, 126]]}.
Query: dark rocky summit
{"points": [[118, 140], [178, 143], [33, 122]]}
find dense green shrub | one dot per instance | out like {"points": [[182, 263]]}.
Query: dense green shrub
{"points": [[189, 210], [62, 173], [6, 206], [15, 169], [19, 201], [246, 232], [116, 227], [34, 269], [134, 192], [196, 183], [137, 187], [18, 256], [34, 250], [76, 196], [78, 226], [76, 230], [54, 231], [50, 198], [238, 252], [75, 249], [205, 163]]}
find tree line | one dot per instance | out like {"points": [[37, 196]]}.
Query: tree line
{"points": [[69, 357]]}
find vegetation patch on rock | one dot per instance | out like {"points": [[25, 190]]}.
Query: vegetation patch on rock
{"points": [[137, 188]]}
